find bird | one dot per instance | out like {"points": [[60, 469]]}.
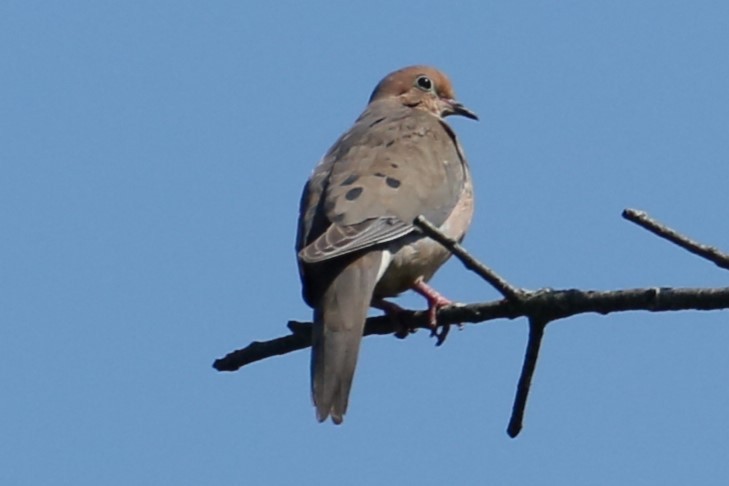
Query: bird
{"points": [[356, 243]]}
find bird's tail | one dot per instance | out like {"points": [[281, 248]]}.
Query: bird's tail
{"points": [[338, 324]]}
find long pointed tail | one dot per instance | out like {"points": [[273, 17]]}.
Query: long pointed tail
{"points": [[338, 324]]}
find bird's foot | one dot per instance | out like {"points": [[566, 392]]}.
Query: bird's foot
{"points": [[435, 301], [394, 311]]}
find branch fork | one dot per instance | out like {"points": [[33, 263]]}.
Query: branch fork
{"points": [[539, 307]]}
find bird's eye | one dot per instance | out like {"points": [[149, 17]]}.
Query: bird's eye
{"points": [[424, 83]]}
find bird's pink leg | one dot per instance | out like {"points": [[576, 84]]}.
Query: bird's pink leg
{"points": [[435, 302], [434, 298]]}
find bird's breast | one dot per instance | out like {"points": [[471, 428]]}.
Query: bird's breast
{"points": [[417, 256]]}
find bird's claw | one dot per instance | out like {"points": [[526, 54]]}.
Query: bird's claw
{"points": [[394, 311], [435, 302], [440, 337]]}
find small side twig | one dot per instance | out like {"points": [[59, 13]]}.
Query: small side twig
{"points": [[506, 289], [707, 252], [258, 350], [536, 333]]}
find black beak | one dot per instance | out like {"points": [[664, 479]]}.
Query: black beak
{"points": [[457, 108]]}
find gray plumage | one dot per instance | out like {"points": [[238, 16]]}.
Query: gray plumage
{"points": [[355, 238]]}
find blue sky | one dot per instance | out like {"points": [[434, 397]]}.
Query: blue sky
{"points": [[152, 156]]}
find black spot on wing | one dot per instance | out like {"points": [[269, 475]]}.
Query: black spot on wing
{"points": [[353, 193], [380, 174], [351, 179], [392, 182]]}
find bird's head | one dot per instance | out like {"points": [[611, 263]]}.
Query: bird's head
{"points": [[424, 88]]}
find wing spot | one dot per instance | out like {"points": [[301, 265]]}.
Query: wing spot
{"points": [[353, 193], [390, 143], [392, 182], [379, 174], [351, 179]]}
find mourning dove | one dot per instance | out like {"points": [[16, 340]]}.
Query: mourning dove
{"points": [[356, 243]]}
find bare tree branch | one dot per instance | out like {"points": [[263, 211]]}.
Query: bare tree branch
{"points": [[536, 333], [710, 253], [540, 307], [552, 304]]}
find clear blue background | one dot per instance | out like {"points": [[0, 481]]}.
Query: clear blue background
{"points": [[151, 160]]}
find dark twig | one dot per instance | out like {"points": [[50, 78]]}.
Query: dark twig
{"points": [[710, 253], [540, 307], [550, 304], [258, 350], [469, 261], [536, 332]]}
